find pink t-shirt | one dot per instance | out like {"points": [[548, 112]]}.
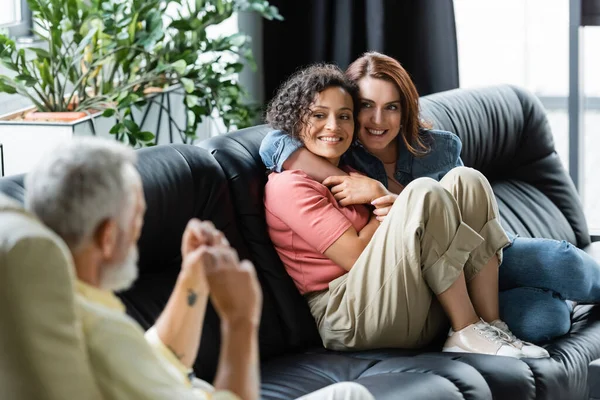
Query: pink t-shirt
{"points": [[304, 219]]}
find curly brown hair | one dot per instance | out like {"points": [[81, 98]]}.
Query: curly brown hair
{"points": [[289, 110]]}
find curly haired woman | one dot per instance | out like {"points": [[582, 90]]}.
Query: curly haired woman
{"points": [[372, 284]]}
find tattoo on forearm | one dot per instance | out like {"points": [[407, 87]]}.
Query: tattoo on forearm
{"points": [[179, 356], [191, 298]]}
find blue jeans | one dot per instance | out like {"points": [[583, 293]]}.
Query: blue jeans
{"points": [[537, 277]]}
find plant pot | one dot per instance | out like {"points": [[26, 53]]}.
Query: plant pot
{"points": [[69, 116], [26, 140]]}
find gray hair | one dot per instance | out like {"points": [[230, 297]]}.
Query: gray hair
{"points": [[81, 184]]}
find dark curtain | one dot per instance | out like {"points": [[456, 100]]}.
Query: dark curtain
{"points": [[420, 34]]}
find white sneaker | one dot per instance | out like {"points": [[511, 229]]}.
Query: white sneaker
{"points": [[481, 338], [529, 349]]}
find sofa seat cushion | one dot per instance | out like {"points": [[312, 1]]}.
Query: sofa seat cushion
{"points": [[394, 374], [404, 377]]}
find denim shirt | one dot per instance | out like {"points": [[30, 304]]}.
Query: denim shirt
{"points": [[276, 147]]}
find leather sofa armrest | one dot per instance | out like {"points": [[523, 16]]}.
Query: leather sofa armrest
{"points": [[594, 379]]}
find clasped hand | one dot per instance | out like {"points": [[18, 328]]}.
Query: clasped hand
{"points": [[213, 264], [360, 189], [355, 188]]}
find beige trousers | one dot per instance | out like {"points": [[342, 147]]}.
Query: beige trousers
{"points": [[340, 391], [434, 231]]}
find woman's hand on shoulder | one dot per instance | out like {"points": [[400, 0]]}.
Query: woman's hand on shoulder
{"points": [[383, 205], [355, 189]]}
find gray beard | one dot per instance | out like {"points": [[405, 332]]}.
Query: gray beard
{"points": [[120, 276]]}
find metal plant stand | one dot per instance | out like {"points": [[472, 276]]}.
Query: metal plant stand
{"points": [[2, 158]]}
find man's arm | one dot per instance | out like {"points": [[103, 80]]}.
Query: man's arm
{"points": [[238, 369], [124, 365], [237, 298], [179, 327]]}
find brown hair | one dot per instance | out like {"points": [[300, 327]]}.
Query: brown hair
{"points": [[380, 66], [290, 108]]}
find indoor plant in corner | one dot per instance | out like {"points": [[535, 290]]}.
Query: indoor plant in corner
{"points": [[112, 63]]}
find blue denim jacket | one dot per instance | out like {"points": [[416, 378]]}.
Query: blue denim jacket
{"points": [[277, 146]]}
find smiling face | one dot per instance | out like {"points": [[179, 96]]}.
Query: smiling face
{"points": [[379, 116], [329, 127]]}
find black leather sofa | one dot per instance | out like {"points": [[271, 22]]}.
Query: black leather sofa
{"points": [[505, 135]]}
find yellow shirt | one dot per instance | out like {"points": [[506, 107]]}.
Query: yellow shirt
{"points": [[128, 364]]}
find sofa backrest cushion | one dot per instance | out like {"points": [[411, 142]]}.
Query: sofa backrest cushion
{"points": [[506, 135], [237, 153], [183, 182]]}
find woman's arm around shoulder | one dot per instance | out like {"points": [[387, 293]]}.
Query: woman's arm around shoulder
{"points": [[281, 152], [276, 147]]}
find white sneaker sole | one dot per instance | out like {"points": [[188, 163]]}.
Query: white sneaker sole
{"points": [[536, 357], [455, 349]]}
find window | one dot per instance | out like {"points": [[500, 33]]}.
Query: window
{"points": [[15, 17], [526, 43]]}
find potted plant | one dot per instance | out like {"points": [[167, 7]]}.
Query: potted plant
{"points": [[119, 59]]}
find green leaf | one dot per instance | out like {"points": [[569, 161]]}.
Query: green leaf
{"points": [[108, 7], [179, 66], [131, 126], [191, 101], [85, 41], [132, 140], [235, 68], [39, 52], [56, 35], [160, 68], [122, 96], [132, 28], [154, 32], [118, 128], [45, 74], [191, 118], [188, 85], [27, 79], [238, 39], [109, 112], [33, 5], [8, 63], [6, 87], [181, 25], [145, 136]]}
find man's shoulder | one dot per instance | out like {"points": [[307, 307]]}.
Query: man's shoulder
{"points": [[99, 320], [17, 224]]}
